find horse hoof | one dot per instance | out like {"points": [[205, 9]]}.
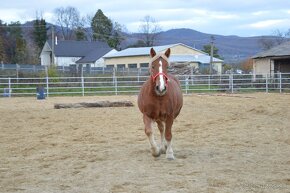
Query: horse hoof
{"points": [[163, 150], [170, 157], [156, 152]]}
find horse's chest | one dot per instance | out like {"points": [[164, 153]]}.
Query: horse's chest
{"points": [[158, 111]]}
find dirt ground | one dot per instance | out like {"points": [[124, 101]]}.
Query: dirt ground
{"points": [[222, 143]]}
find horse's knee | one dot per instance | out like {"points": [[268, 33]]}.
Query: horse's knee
{"points": [[168, 136], [148, 131]]}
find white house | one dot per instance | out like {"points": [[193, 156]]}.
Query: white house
{"points": [[68, 53]]}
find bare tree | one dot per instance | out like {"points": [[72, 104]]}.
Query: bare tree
{"points": [[279, 38], [149, 30], [85, 24], [69, 20]]}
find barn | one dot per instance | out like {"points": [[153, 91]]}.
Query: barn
{"points": [[274, 60], [69, 52], [180, 53]]}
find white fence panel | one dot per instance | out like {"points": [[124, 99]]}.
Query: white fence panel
{"points": [[116, 85]]}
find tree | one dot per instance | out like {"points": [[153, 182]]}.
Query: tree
{"points": [[20, 51], [3, 57], [207, 48], [16, 48], [2, 51], [19, 44], [267, 43], [102, 26], [139, 43], [149, 30], [40, 33], [116, 36], [80, 34], [69, 20], [247, 65]]}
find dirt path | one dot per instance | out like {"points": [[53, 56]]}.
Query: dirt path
{"points": [[236, 143]]}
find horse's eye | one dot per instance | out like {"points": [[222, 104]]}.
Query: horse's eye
{"points": [[152, 67]]}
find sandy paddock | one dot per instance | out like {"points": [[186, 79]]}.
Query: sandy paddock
{"points": [[222, 143]]}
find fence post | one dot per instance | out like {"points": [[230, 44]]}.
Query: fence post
{"points": [[82, 79], [47, 82], [138, 74], [280, 82], [231, 83], [267, 89], [17, 71], [186, 85], [209, 82], [9, 87], [115, 82]]}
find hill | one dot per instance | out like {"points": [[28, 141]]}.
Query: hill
{"points": [[231, 48]]}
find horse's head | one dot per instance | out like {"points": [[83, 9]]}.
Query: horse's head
{"points": [[158, 71]]}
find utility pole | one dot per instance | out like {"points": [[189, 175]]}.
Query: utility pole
{"points": [[52, 44], [211, 54]]}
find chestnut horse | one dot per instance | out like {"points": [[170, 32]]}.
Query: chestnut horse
{"points": [[160, 100]]}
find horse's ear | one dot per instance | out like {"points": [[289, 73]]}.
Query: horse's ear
{"points": [[152, 52], [167, 53]]}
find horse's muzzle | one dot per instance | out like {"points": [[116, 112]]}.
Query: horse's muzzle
{"points": [[160, 91]]}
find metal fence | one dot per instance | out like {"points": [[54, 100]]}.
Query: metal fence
{"points": [[117, 85], [28, 70]]}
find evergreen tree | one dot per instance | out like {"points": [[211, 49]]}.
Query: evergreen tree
{"points": [[40, 32], [206, 49], [102, 26], [17, 45], [20, 51], [2, 51], [3, 57], [80, 34]]}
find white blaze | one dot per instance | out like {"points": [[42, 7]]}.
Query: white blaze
{"points": [[162, 84]]}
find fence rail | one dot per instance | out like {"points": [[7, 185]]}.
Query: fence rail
{"points": [[117, 85], [16, 70]]}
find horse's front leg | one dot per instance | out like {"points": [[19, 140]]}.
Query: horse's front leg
{"points": [[148, 122], [162, 135], [168, 137]]}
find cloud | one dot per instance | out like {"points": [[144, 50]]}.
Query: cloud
{"points": [[226, 17], [272, 23], [14, 15]]}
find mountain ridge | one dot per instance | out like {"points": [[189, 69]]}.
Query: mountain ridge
{"points": [[232, 48]]}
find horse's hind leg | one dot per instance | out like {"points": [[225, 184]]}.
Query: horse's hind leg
{"points": [[162, 135], [149, 132]]}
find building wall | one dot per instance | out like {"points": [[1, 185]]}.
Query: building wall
{"points": [[262, 66], [45, 58], [127, 60], [66, 61], [218, 67], [175, 50]]}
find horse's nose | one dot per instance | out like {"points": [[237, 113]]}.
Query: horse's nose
{"points": [[160, 89]]}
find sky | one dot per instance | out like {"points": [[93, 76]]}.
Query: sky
{"points": [[244, 18]]}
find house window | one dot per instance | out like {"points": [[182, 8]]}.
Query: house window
{"points": [[132, 65], [120, 65], [144, 65], [110, 66]]}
